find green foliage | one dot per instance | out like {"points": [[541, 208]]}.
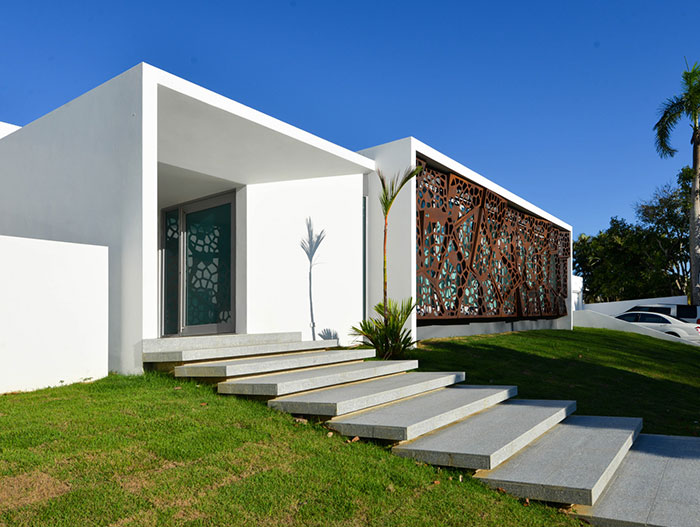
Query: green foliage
{"points": [[387, 333], [643, 260], [392, 187], [687, 104]]}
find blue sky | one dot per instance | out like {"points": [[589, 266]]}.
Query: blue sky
{"points": [[553, 100]]}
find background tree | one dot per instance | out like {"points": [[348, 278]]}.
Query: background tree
{"points": [[620, 263], [647, 259], [666, 216], [687, 104]]}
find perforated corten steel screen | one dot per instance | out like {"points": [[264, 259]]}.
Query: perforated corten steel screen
{"points": [[481, 258]]}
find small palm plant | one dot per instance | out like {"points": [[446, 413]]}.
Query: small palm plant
{"points": [[387, 334], [310, 245], [391, 189], [687, 105]]}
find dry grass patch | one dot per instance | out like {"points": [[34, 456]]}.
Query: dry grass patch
{"points": [[26, 489]]}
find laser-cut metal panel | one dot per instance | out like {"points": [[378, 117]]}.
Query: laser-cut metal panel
{"points": [[481, 258]]}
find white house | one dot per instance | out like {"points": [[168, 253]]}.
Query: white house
{"points": [[201, 204]]}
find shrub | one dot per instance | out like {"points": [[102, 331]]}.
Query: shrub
{"points": [[388, 335]]}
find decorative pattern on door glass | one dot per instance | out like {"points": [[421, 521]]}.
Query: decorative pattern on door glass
{"points": [[171, 278], [480, 258], [208, 262]]}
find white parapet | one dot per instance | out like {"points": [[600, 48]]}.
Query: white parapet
{"points": [[53, 313]]}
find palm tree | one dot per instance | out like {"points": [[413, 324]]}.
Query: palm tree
{"points": [[391, 189], [687, 104], [310, 245]]}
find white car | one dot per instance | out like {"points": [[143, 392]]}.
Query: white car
{"points": [[665, 323]]}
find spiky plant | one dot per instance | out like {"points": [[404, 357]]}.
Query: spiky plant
{"points": [[387, 334], [675, 108], [310, 245]]}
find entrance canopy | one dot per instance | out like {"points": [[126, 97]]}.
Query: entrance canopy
{"points": [[205, 135]]}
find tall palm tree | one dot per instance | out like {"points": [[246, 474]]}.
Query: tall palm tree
{"points": [[391, 189], [687, 104], [310, 245]]}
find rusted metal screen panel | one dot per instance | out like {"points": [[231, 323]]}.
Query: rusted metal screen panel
{"points": [[481, 258]]}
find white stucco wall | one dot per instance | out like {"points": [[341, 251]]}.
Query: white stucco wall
{"points": [[7, 129], [273, 269], [75, 175], [53, 313]]}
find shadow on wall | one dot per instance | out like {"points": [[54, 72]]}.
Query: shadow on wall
{"points": [[310, 245]]}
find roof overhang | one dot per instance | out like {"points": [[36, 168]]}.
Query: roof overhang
{"points": [[207, 133]]}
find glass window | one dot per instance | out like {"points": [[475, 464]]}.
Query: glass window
{"points": [[687, 311], [650, 318], [628, 317]]}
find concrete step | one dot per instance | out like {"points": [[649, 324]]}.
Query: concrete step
{"points": [[571, 464], [277, 384], [252, 366], [356, 396], [236, 351], [410, 418], [486, 439], [217, 341], [658, 483]]}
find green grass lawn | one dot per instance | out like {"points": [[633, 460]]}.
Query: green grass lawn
{"points": [[606, 372], [152, 450], [138, 451]]}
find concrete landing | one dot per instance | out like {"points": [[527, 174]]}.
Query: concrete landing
{"points": [[357, 396], [410, 418], [217, 341], [486, 439], [570, 464], [240, 350], [302, 380], [658, 483], [234, 367]]}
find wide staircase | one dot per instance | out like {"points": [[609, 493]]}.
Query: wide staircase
{"points": [[532, 449]]}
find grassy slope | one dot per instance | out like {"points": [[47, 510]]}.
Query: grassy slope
{"points": [[137, 451], [606, 372]]}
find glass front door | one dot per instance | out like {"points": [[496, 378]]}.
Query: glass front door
{"points": [[198, 267]]}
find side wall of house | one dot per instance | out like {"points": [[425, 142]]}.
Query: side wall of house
{"points": [[275, 270], [75, 175]]}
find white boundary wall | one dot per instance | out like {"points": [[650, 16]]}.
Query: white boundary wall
{"points": [[615, 308], [53, 313], [593, 319]]}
